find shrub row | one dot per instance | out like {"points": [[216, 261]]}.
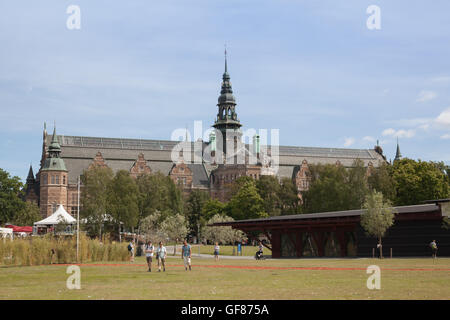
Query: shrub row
{"points": [[50, 249]]}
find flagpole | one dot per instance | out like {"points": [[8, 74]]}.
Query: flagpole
{"points": [[78, 220]]}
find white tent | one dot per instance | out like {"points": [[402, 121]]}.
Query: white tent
{"points": [[6, 232], [60, 216]]}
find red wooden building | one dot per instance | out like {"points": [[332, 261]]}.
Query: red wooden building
{"points": [[334, 234]]}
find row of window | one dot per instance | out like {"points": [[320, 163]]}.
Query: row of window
{"points": [[54, 179]]}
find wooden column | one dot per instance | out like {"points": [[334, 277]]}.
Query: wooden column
{"points": [[318, 239], [299, 244], [342, 238], [276, 244]]}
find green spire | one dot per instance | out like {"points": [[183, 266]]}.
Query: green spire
{"points": [[54, 145], [398, 155], [54, 161]]}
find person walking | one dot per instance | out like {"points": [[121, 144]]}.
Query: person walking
{"points": [[434, 249], [216, 251], [131, 251], [186, 255], [162, 252], [149, 249]]}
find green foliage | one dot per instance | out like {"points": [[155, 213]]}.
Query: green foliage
{"points": [[222, 235], [335, 188], [379, 215], [194, 209], [327, 191], [380, 179], [123, 199], [246, 203], [94, 197], [269, 189], [10, 197], [28, 215], [416, 181], [288, 195], [175, 227], [213, 207], [158, 192]]}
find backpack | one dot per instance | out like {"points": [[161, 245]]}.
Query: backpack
{"points": [[129, 247]]}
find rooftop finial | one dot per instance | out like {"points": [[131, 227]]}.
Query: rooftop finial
{"points": [[226, 69]]}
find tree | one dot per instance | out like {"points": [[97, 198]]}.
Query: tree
{"points": [[247, 203], [213, 207], [28, 215], [270, 191], [327, 191], [417, 181], [357, 187], [94, 197], [378, 217], [150, 227], [288, 195], [194, 210], [158, 192], [123, 200], [380, 179], [175, 227], [334, 188], [10, 197], [222, 235]]}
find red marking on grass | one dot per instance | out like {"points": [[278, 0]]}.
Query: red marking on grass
{"points": [[251, 267]]}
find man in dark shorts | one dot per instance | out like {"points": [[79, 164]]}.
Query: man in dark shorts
{"points": [[149, 248], [434, 249]]}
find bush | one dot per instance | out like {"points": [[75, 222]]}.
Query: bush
{"points": [[49, 249]]}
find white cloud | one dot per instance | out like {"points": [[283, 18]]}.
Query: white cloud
{"points": [[349, 141], [426, 95], [368, 139], [446, 136], [444, 118], [441, 79], [399, 133]]}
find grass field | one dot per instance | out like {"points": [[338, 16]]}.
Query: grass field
{"points": [[235, 279]]}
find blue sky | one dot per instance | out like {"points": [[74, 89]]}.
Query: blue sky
{"points": [[140, 69]]}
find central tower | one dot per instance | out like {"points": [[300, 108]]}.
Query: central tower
{"points": [[227, 124]]}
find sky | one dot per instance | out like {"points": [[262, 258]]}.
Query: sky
{"points": [[141, 69]]}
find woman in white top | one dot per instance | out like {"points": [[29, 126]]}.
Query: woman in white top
{"points": [[216, 251], [161, 252]]}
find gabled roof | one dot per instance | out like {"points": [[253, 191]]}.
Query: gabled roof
{"points": [[59, 216]]}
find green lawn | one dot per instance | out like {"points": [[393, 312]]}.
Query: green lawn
{"points": [[220, 282]]}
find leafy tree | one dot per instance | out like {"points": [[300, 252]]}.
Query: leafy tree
{"points": [[327, 191], [194, 210], [417, 181], [123, 200], [380, 179], [10, 197], [175, 227], [28, 215], [334, 188], [158, 192], [378, 217], [238, 184], [288, 195], [223, 235], [270, 191], [150, 227], [356, 185], [94, 198], [213, 207], [247, 203]]}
